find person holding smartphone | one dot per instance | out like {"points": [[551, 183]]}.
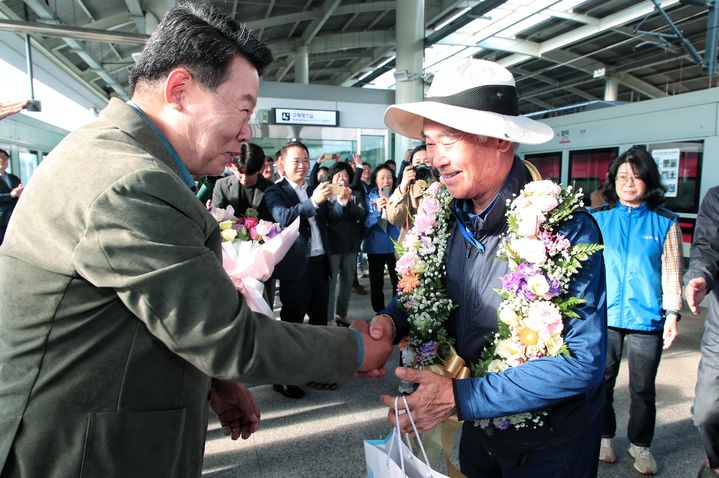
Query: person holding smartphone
{"points": [[380, 236]]}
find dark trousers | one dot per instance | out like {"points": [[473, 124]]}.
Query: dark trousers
{"points": [[376, 277], [2, 233], [706, 398], [577, 457], [644, 350], [309, 295]]}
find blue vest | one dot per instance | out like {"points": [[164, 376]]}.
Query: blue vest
{"points": [[634, 243]]}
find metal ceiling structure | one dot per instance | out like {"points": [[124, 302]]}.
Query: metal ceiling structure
{"points": [[560, 56]]}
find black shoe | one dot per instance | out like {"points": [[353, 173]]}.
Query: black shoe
{"points": [[360, 290], [289, 391], [340, 322]]}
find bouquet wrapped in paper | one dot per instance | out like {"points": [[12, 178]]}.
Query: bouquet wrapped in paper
{"points": [[251, 248]]}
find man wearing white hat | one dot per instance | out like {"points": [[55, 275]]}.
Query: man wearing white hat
{"points": [[471, 124]]}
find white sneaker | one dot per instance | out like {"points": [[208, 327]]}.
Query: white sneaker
{"points": [[644, 462], [606, 451]]}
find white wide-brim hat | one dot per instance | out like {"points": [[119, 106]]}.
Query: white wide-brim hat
{"points": [[474, 96]]}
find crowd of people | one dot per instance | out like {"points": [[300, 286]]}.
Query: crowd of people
{"points": [[118, 332]]}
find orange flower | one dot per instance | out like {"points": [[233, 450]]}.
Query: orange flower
{"points": [[408, 282]]}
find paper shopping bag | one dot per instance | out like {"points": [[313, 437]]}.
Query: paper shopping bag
{"points": [[392, 458]]}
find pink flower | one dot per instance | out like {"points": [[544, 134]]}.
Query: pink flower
{"points": [[429, 206], [251, 222], [263, 228], [405, 263], [424, 223], [545, 318]]}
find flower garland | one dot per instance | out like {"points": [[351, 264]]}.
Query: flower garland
{"points": [[421, 288], [534, 306]]}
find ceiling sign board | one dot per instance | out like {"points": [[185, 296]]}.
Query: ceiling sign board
{"points": [[305, 117]]}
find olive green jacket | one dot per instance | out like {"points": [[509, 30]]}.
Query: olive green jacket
{"points": [[115, 311]]}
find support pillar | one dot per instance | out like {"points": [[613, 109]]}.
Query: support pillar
{"points": [[611, 87], [410, 55], [302, 65]]}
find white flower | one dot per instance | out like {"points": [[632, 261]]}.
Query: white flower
{"points": [[507, 348], [554, 343], [530, 249], [497, 365], [508, 316], [538, 285]]}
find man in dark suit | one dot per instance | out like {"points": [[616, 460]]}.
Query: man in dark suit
{"points": [[10, 190], [304, 273], [246, 187]]}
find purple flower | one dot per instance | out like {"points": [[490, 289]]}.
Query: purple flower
{"points": [[428, 348], [504, 424], [516, 281], [554, 288]]}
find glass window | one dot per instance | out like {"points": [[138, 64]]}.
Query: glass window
{"points": [[548, 164], [373, 149], [28, 163], [680, 168], [588, 169]]}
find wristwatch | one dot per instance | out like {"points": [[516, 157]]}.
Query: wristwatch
{"points": [[674, 313]]}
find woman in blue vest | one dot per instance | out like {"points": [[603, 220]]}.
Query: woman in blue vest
{"points": [[380, 236], [644, 267]]}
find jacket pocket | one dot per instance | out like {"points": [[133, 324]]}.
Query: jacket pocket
{"points": [[133, 444]]}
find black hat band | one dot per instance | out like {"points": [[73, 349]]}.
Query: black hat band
{"points": [[500, 99]]}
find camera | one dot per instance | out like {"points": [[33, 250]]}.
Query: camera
{"points": [[33, 105], [425, 173]]}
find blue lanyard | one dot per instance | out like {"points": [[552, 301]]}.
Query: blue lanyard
{"points": [[469, 237], [184, 172], [461, 212]]}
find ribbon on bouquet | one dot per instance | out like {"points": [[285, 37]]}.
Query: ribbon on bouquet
{"points": [[440, 439]]}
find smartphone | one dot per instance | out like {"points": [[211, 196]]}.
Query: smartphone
{"points": [[337, 190], [33, 105], [385, 192]]}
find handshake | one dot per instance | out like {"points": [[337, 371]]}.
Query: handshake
{"points": [[378, 339]]}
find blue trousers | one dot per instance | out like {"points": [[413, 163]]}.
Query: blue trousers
{"points": [[706, 398], [578, 457], [644, 350]]}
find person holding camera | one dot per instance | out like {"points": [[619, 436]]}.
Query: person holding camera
{"points": [[404, 201]]}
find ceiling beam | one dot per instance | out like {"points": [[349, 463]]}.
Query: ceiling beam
{"points": [[63, 31], [609, 22], [282, 20], [317, 24]]}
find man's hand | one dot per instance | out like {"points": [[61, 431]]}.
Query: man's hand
{"points": [[430, 405], [11, 107], [322, 193], [695, 291], [376, 352], [381, 328], [357, 159], [15, 193], [235, 407]]}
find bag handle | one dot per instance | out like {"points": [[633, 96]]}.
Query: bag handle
{"points": [[414, 428], [398, 434], [396, 437]]}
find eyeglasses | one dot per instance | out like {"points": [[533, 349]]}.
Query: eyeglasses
{"points": [[625, 178]]}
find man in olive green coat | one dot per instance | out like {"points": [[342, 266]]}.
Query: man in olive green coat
{"points": [[115, 312]]}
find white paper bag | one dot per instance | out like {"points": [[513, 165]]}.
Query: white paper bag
{"points": [[392, 458]]}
